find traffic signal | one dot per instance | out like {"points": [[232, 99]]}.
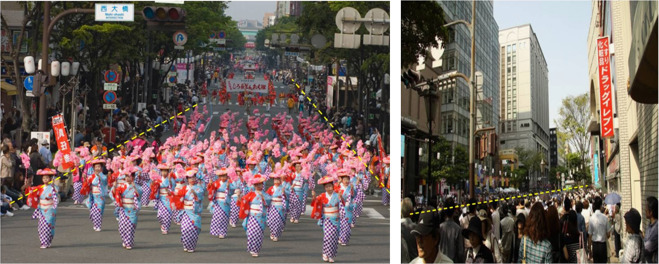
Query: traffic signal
{"points": [[410, 78], [163, 14]]}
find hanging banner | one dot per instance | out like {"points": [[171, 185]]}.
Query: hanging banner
{"points": [[62, 141], [249, 85], [606, 95]]}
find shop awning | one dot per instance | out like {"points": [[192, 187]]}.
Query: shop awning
{"points": [[10, 89], [642, 86]]}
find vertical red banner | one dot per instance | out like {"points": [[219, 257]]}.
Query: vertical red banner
{"points": [[606, 95], [62, 141]]}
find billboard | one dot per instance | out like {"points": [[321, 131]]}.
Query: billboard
{"points": [[606, 94], [248, 85]]}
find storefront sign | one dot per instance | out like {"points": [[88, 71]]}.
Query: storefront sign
{"points": [[606, 94]]}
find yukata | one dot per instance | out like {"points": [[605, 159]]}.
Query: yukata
{"points": [[97, 184], [219, 195], [126, 198], [385, 193], [277, 211], [234, 187], [179, 184], [189, 215], [160, 191], [202, 176], [358, 182], [144, 185], [298, 192], [45, 200], [264, 168], [326, 209], [252, 209], [346, 209], [77, 181]]}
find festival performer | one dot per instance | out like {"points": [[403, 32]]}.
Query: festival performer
{"points": [[326, 210], [385, 178], [145, 180], [161, 190], [44, 199], [180, 183], [360, 185], [126, 199], [347, 192], [276, 212], [237, 187], [219, 206], [189, 215], [96, 183], [297, 196], [84, 154], [252, 208]]}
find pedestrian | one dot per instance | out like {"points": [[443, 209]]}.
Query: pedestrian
{"points": [[634, 249], [297, 194], [127, 201], [428, 235], [325, 208], [507, 234], [554, 229], [599, 231], [571, 240], [451, 242], [490, 241], [219, 205], [478, 252], [534, 246], [45, 152], [650, 239], [95, 185], [581, 225], [408, 242], [466, 217], [45, 200], [617, 228], [252, 209], [161, 190], [7, 165], [277, 211], [347, 192]]}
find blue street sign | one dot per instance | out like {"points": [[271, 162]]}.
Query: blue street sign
{"points": [[222, 34], [109, 97], [110, 76], [180, 38], [29, 81]]}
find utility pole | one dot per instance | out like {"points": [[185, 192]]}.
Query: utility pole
{"points": [[472, 101]]}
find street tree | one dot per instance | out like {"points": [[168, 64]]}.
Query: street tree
{"points": [[421, 29], [571, 125], [451, 165], [529, 161]]}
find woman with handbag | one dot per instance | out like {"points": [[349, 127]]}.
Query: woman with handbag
{"points": [[572, 240], [535, 247]]}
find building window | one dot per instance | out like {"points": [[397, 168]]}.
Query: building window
{"points": [[514, 49]]}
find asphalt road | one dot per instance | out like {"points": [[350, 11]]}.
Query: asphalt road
{"points": [[76, 242]]}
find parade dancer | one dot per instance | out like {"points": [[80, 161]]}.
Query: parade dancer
{"points": [[236, 185], [252, 209], [276, 212], [180, 183], [79, 174], [45, 199], [358, 181], [96, 200], [145, 182], [161, 190], [326, 209], [346, 190], [385, 177], [185, 199], [126, 199], [219, 206], [297, 196]]}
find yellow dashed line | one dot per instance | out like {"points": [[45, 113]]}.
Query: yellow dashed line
{"points": [[195, 105], [180, 113], [142, 134], [314, 105], [157, 125], [111, 150], [171, 118], [148, 130], [118, 146], [187, 109]]}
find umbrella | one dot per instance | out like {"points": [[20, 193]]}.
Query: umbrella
{"points": [[612, 198]]}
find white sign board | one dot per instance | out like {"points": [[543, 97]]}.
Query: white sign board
{"points": [[288, 53], [248, 85], [115, 12], [221, 41], [109, 106], [41, 136], [110, 86], [29, 94]]}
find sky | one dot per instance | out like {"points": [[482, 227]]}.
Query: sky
{"points": [[239, 10], [562, 29]]}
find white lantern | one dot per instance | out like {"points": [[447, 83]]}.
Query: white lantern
{"points": [[75, 67], [29, 64], [66, 68], [54, 68], [39, 67]]}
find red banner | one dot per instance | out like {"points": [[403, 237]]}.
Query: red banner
{"points": [[62, 142], [246, 86], [606, 95]]}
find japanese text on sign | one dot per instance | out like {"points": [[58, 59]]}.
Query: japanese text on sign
{"points": [[117, 12], [606, 94], [62, 141], [246, 86]]}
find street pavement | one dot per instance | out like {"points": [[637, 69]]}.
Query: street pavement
{"points": [[75, 240]]}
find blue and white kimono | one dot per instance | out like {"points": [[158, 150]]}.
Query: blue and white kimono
{"points": [[190, 219], [96, 200], [127, 212], [254, 223], [277, 211], [299, 187], [220, 208], [46, 210], [346, 209], [162, 205], [326, 209]]}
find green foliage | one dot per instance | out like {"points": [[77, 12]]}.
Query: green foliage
{"points": [[454, 167], [574, 117], [421, 28]]}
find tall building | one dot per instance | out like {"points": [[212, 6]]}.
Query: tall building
{"points": [[266, 19], [627, 162], [288, 8], [524, 95], [452, 117]]}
